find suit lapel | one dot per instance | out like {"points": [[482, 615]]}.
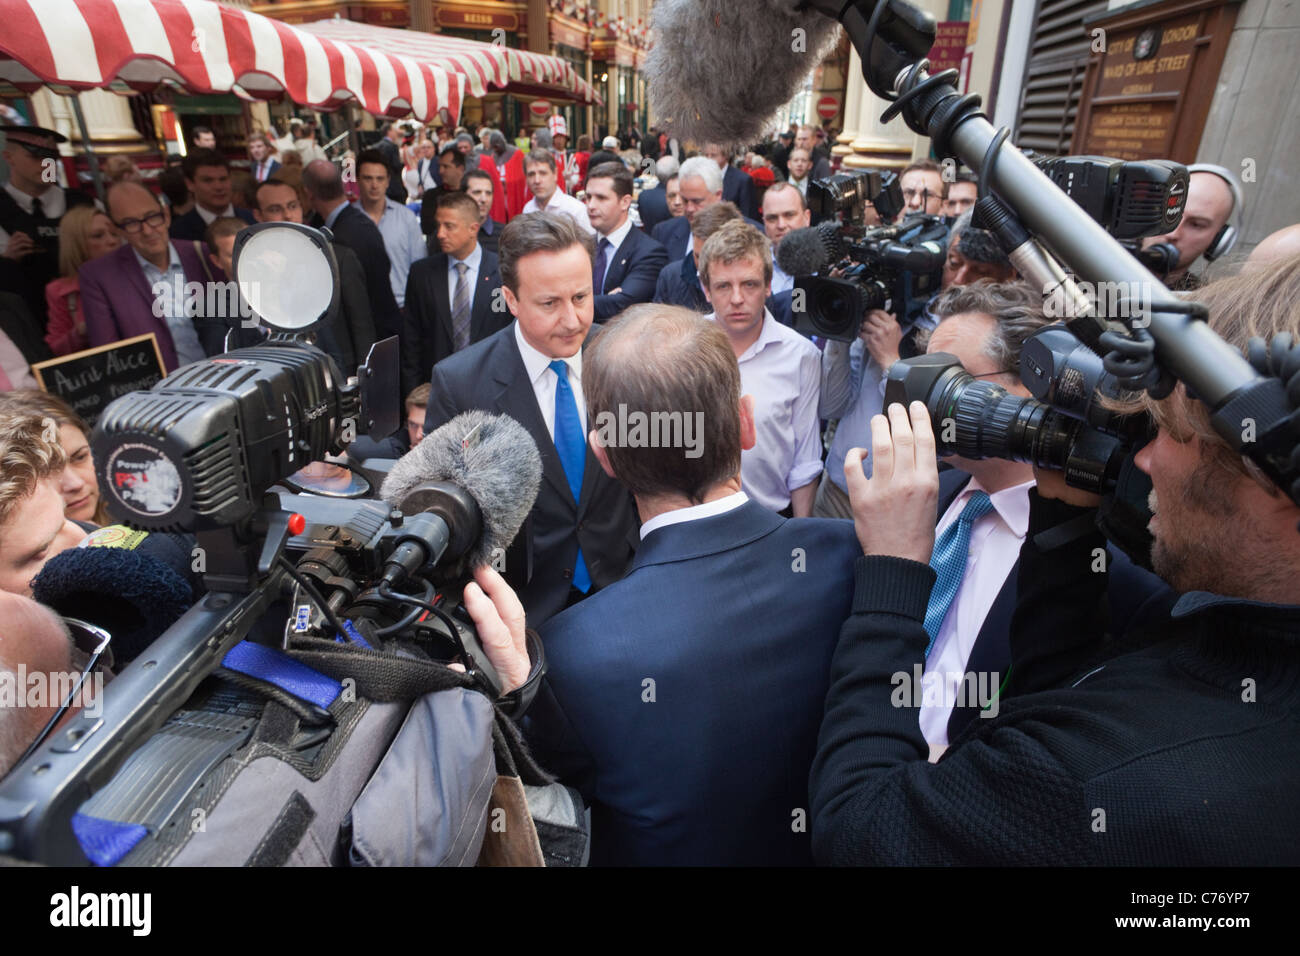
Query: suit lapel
{"points": [[518, 400], [481, 302], [618, 261]]}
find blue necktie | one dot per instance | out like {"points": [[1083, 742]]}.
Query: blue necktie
{"points": [[598, 279], [951, 550], [571, 445]]}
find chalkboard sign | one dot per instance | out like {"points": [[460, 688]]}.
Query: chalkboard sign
{"points": [[89, 380]]}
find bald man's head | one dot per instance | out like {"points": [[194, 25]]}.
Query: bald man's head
{"points": [[1282, 244], [34, 638], [323, 180]]}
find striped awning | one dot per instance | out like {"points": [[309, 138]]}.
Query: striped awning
{"points": [[198, 46]]}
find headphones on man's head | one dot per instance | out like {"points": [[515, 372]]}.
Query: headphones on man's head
{"points": [[1226, 237]]}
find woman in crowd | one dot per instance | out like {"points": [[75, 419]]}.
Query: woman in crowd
{"points": [[85, 233], [77, 483]]}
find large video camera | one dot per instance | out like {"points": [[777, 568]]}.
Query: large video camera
{"points": [[891, 267], [202, 452]]}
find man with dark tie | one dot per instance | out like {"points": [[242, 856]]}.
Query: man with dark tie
{"points": [[453, 297], [581, 531], [627, 260]]}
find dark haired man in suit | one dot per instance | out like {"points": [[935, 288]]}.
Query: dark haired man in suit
{"points": [[580, 533], [627, 260], [207, 173], [453, 297]]}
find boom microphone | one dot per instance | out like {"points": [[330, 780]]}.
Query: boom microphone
{"points": [[803, 252], [719, 71], [492, 457]]}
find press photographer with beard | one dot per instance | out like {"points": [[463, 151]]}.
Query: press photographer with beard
{"points": [[1176, 745]]}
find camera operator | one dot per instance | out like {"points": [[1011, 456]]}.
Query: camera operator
{"points": [[1175, 745], [1212, 198]]}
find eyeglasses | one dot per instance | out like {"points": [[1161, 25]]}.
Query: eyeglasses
{"points": [[89, 638], [153, 221]]}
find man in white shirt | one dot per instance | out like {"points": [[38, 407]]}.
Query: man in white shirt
{"points": [[800, 165], [543, 183], [784, 209], [779, 367], [397, 224], [985, 325]]}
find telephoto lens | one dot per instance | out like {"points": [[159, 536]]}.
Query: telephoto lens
{"points": [[979, 419]]}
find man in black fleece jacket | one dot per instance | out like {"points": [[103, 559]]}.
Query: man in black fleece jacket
{"points": [[1179, 745]]}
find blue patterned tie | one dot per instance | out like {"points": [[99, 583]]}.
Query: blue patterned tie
{"points": [[951, 550], [571, 445], [598, 278]]}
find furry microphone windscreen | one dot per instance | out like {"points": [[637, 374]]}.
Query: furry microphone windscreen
{"points": [[720, 70], [492, 457]]}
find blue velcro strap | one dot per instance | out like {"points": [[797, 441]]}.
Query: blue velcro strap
{"points": [[353, 634], [266, 663], [106, 842]]}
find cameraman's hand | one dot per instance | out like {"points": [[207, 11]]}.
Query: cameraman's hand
{"points": [[894, 510], [882, 335], [1051, 484], [499, 618]]}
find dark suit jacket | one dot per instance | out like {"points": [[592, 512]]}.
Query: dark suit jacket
{"points": [[427, 336], [270, 170], [652, 207], [192, 227], [429, 214], [634, 268], [490, 375], [738, 187], [673, 234], [353, 331], [1133, 592], [490, 241], [354, 229], [684, 701], [118, 303]]}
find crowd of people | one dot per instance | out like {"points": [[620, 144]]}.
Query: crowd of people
{"points": [[727, 613]]}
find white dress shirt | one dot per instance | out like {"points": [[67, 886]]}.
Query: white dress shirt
{"points": [[263, 169], [565, 205], [210, 217], [800, 184], [471, 274], [719, 506], [782, 370], [544, 381], [781, 281], [995, 541], [615, 240]]}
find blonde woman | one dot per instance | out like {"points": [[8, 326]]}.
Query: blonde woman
{"points": [[77, 482], [85, 233]]}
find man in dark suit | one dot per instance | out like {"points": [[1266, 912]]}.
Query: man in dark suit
{"points": [[445, 310], [652, 204], [353, 331], [142, 287], [627, 260], [700, 185], [806, 139], [580, 533], [351, 227], [207, 173], [261, 153], [451, 170], [482, 189], [737, 187], [390, 147], [678, 768]]}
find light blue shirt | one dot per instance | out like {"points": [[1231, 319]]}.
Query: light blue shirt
{"points": [[471, 274], [170, 287], [401, 231]]}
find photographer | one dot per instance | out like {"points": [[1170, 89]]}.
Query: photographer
{"points": [[1173, 746]]}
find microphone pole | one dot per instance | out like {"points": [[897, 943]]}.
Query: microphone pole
{"points": [[892, 38]]}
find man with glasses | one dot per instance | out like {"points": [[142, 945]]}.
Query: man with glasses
{"points": [[141, 288], [353, 331]]}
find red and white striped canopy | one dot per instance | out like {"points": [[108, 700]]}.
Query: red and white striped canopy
{"points": [[204, 47]]}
